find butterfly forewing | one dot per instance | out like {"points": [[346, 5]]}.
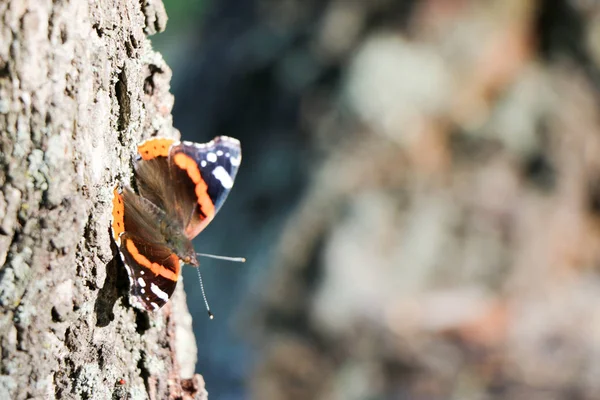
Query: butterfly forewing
{"points": [[212, 168]]}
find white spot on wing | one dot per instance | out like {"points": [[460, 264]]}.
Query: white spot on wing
{"points": [[219, 153], [223, 177], [156, 290], [155, 306], [141, 282], [142, 291], [127, 268], [236, 161], [142, 272], [203, 163], [211, 157]]}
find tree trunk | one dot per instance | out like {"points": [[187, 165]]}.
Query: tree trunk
{"points": [[79, 86]]}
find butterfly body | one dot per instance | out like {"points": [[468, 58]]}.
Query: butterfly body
{"points": [[180, 188]]}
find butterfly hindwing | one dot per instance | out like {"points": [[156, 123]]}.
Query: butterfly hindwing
{"points": [[153, 271], [152, 267]]}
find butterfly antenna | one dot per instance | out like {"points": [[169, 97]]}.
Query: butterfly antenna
{"points": [[233, 259], [210, 314]]}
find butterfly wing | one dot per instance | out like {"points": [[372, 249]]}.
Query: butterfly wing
{"points": [[211, 167], [152, 267], [153, 271], [153, 175], [190, 181]]}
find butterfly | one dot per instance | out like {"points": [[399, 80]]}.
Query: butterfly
{"points": [[180, 188]]}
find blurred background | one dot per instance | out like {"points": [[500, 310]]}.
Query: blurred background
{"points": [[419, 198]]}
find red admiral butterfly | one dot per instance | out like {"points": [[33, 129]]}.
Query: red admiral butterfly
{"points": [[181, 186]]}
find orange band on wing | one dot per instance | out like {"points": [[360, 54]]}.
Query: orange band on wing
{"points": [[153, 148], [154, 267], [188, 164], [118, 222]]}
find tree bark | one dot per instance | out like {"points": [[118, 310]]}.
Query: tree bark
{"points": [[79, 86]]}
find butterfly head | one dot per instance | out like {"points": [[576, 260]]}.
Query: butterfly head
{"points": [[188, 255], [182, 247], [191, 260]]}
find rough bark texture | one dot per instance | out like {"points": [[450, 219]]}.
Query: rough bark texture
{"points": [[79, 86]]}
